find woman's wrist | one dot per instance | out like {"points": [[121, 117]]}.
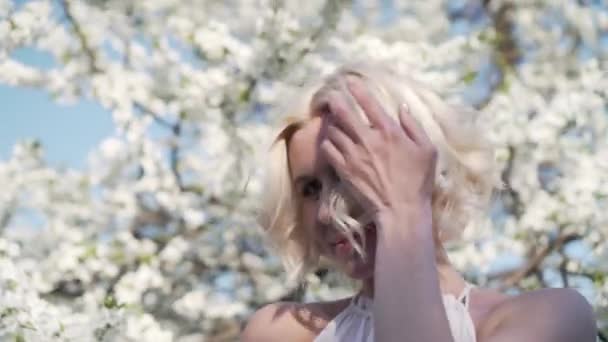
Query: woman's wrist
{"points": [[409, 220]]}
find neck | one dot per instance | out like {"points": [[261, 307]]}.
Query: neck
{"points": [[450, 281]]}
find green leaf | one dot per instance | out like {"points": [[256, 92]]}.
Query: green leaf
{"points": [[469, 77], [245, 95], [118, 257], [504, 86], [146, 258], [110, 302], [599, 278], [11, 284], [8, 312], [521, 235], [90, 252]]}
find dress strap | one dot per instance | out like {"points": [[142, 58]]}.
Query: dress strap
{"points": [[465, 295], [361, 302]]}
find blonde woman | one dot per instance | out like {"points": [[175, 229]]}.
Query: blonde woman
{"points": [[373, 174]]}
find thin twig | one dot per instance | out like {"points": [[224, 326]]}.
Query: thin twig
{"points": [[82, 38], [514, 277]]}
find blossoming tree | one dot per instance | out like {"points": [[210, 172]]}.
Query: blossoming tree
{"points": [[155, 238]]}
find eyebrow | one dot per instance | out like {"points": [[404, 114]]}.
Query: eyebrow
{"points": [[302, 179], [306, 177]]}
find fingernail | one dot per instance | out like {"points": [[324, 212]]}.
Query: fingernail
{"points": [[405, 107]]}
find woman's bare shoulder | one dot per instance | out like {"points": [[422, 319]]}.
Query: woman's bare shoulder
{"points": [[290, 321], [541, 315]]}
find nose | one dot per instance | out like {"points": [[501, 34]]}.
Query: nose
{"points": [[323, 212], [323, 216]]}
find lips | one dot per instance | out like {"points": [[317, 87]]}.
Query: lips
{"points": [[338, 241], [341, 239], [341, 245]]}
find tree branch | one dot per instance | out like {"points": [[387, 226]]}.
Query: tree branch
{"points": [[563, 271], [157, 118], [514, 204], [513, 277], [506, 52], [82, 38]]}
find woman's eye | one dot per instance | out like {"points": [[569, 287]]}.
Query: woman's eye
{"points": [[311, 188]]}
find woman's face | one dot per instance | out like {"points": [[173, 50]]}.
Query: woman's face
{"points": [[313, 178]]}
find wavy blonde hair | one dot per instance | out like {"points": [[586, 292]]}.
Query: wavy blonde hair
{"points": [[465, 172]]}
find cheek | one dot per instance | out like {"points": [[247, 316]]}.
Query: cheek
{"points": [[308, 219], [308, 210]]}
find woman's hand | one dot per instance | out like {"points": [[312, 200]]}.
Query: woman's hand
{"points": [[389, 168]]}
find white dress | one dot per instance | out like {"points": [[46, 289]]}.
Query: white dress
{"points": [[356, 323]]}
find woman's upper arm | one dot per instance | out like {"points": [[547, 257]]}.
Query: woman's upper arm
{"points": [[273, 322], [550, 315]]}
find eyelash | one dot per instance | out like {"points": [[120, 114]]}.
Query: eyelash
{"points": [[317, 184], [305, 189]]}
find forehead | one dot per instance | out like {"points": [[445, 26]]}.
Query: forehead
{"points": [[303, 153]]}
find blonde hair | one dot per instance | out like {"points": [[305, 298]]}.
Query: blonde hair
{"points": [[465, 173]]}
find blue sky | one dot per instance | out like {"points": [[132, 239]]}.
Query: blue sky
{"points": [[67, 132]]}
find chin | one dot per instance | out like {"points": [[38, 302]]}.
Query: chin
{"points": [[355, 267], [360, 270], [348, 260]]}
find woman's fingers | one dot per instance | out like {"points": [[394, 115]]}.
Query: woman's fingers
{"points": [[371, 107], [411, 127], [340, 140], [344, 117], [334, 156]]}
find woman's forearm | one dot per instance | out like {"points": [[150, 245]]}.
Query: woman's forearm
{"points": [[408, 304]]}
